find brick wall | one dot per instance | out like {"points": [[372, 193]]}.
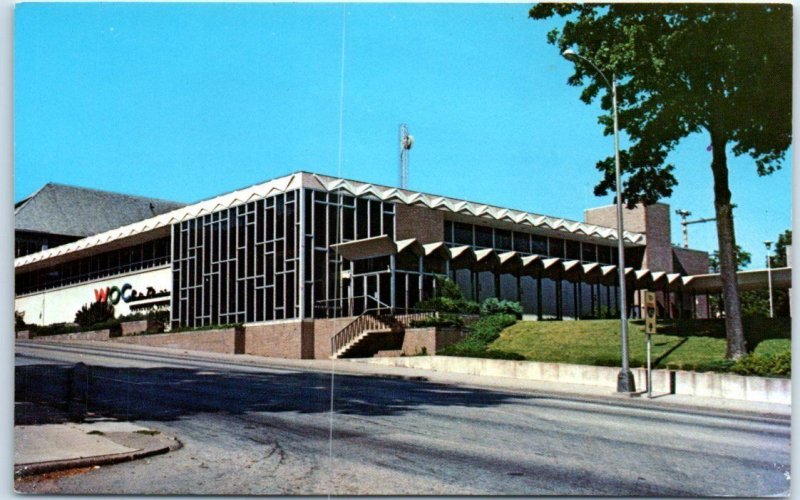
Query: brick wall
{"points": [[430, 339], [658, 253], [324, 330], [222, 341], [653, 221], [290, 339], [688, 261], [424, 224], [633, 219], [93, 335]]}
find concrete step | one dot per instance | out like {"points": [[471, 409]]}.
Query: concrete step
{"points": [[389, 354]]}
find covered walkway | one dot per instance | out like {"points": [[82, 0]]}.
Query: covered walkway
{"points": [[549, 287]]}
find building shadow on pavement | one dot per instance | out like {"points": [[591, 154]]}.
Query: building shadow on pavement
{"points": [[167, 393]]}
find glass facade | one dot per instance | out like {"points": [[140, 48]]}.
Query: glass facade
{"points": [[332, 218], [133, 258], [502, 240], [238, 265], [551, 298]]}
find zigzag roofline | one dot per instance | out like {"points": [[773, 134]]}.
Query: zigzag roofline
{"points": [[318, 181]]}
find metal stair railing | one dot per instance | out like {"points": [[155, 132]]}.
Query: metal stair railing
{"points": [[368, 320], [374, 319]]}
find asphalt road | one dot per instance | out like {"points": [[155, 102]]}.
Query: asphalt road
{"points": [[265, 430]]}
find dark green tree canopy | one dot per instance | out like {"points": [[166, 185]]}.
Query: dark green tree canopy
{"points": [[779, 259], [681, 69], [743, 259]]}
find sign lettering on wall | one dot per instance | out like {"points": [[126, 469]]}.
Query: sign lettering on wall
{"points": [[125, 293]]}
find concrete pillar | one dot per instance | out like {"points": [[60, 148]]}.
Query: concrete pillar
{"points": [[559, 304], [575, 300], [539, 298]]}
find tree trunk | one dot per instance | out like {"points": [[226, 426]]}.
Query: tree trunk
{"points": [[737, 346]]}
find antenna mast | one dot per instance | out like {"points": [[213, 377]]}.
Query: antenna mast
{"points": [[685, 223], [406, 141]]}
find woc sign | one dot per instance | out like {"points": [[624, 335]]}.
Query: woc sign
{"points": [[113, 294]]}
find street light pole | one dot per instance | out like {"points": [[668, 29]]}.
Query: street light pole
{"points": [[625, 382], [768, 244]]}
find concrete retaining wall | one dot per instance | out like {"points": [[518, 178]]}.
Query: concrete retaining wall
{"points": [[717, 385]]}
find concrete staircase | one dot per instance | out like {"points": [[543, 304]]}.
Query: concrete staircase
{"points": [[371, 332]]}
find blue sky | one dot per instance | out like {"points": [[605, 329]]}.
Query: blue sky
{"points": [[186, 101]]}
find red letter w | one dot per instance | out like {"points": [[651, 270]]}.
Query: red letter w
{"points": [[101, 295]]}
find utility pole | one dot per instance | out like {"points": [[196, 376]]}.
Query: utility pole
{"points": [[684, 214]]}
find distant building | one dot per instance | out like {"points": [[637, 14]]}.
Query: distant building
{"points": [[57, 214]]}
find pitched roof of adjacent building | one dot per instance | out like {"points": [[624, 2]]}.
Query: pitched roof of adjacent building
{"points": [[77, 211]]}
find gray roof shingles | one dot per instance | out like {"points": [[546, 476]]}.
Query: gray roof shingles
{"points": [[76, 211]]}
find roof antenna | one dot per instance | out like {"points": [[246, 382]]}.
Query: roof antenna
{"points": [[406, 141]]}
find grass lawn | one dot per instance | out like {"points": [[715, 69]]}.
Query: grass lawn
{"points": [[680, 344]]}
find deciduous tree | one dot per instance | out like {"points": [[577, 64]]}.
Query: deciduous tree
{"points": [[724, 70]]}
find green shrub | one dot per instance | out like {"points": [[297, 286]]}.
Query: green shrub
{"points": [[53, 329], [92, 314], [442, 321], [207, 327], [162, 316], [482, 333], [492, 306], [19, 321], [449, 305], [447, 288], [448, 299], [775, 365]]}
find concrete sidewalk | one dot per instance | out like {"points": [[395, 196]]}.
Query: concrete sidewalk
{"points": [[48, 447], [366, 367]]}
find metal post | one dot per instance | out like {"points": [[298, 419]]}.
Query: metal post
{"points": [[649, 368], [392, 282], [769, 279], [625, 381], [420, 279]]}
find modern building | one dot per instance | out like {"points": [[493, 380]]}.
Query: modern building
{"points": [[286, 255]]}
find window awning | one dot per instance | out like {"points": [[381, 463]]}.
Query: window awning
{"points": [[367, 248]]}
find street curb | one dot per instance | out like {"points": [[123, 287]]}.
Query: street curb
{"points": [[23, 470]]}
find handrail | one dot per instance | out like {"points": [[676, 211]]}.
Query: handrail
{"points": [[356, 326], [375, 317]]}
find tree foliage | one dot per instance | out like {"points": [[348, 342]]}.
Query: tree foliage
{"points": [[743, 259], [779, 259], [93, 314], [683, 69]]}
